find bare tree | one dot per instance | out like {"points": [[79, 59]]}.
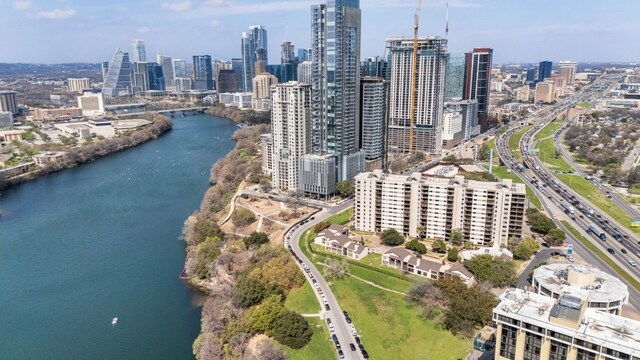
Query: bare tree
{"points": [[336, 269]]}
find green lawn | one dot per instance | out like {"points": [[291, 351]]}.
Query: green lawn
{"points": [[383, 280], [342, 218], [584, 104], [320, 348], [514, 141], [303, 300], [598, 198], [501, 172], [391, 329], [547, 153], [549, 130], [594, 249]]}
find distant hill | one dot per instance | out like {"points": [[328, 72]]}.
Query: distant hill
{"points": [[50, 71]]}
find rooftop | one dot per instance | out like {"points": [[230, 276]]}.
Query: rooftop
{"points": [[594, 326], [589, 283]]}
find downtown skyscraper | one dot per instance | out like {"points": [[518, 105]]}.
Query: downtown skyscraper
{"points": [[477, 82], [335, 87], [139, 53], [119, 74], [429, 91], [254, 48], [202, 72]]}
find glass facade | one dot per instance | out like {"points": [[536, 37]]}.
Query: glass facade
{"points": [[508, 339], [118, 81], [202, 72], [454, 76]]}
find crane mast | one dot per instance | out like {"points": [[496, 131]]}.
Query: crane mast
{"points": [[414, 76]]}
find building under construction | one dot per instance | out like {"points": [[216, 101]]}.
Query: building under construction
{"points": [[429, 94]]}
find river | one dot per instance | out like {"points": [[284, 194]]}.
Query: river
{"points": [[82, 246]]}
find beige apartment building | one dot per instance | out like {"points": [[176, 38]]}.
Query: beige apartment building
{"points": [[533, 326], [545, 92], [487, 213], [261, 99]]}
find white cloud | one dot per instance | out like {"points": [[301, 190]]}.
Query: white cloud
{"points": [[22, 4], [144, 29], [177, 6], [56, 14], [215, 24], [223, 7], [414, 4]]}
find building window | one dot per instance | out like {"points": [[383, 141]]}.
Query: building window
{"points": [[532, 346], [508, 340], [558, 351], [617, 354], [585, 355]]}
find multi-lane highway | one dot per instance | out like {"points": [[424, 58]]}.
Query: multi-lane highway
{"points": [[551, 192]]}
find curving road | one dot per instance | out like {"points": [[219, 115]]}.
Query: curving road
{"points": [[341, 328]]}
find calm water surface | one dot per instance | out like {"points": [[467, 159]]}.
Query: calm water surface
{"points": [[99, 241]]}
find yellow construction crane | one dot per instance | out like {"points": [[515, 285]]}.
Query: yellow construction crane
{"points": [[414, 76]]}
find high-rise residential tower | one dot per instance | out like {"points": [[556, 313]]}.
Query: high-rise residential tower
{"points": [[290, 123], [287, 53], [568, 71], [139, 53], [373, 120], [118, 81], [202, 72], [303, 55], [454, 77], [8, 102], [477, 82], [430, 75], [167, 71], [304, 72], [260, 45], [544, 70], [238, 67], [335, 84]]}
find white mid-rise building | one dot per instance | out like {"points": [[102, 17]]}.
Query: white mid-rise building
{"points": [[568, 70], [261, 99], [486, 212], [290, 132], [78, 84], [239, 100], [304, 72], [545, 92], [91, 104]]}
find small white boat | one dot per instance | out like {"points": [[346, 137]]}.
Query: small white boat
{"points": [[114, 321]]}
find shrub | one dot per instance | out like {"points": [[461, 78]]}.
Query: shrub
{"points": [[391, 237], [452, 255], [439, 246], [322, 225], [242, 217], [291, 329], [255, 239], [416, 245], [496, 271]]}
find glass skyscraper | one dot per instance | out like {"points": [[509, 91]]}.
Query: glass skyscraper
{"points": [[156, 76], [179, 68], [118, 81], [454, 76], [376, 67], [202, 72], [335, 84], [139, 53], [254, 48], [167, 71], [544, 70], [237, 66]]}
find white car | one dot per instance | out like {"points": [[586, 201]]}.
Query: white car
{"points": [[632, 263], [570, 258]]}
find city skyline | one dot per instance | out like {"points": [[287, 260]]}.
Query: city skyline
{"points": [[167, 27]]}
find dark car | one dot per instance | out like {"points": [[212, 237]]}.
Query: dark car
{"points": [[338, 345], [361, 347], [334, 337], [352, 347], [624, 251], [329, 321], [340, 354], [357, 339], [365, 354], [611, 251], [326, 307], [348, 320], [346, 314]]}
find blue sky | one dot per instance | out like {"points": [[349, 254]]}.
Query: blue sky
{"points": [[51, 31]]}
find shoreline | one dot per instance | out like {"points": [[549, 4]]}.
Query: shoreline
{"points": [[94, 151]]}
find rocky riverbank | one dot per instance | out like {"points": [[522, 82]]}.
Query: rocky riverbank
{"points": [[239, 116], [246, 280], [95, 150]]}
